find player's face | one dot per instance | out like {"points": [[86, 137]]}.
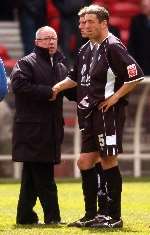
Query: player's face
{"points": [[82, 26], [94, 28]]}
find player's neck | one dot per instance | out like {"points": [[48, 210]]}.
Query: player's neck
{"points": [[102, 36]]}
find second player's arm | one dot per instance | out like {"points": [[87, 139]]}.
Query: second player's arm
{"points": [[63, 85]]}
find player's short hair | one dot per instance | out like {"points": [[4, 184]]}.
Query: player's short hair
{"points": [[101, 12], [82, 12]]}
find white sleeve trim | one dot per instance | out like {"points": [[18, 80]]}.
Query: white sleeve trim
{"points": [[68, 78], [138, 79]]}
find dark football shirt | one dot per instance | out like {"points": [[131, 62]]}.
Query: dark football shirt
{"points": [[98, 79], [80, 73]]}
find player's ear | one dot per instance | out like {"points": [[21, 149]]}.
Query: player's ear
{"points": [[36, 42], [104, 23]]}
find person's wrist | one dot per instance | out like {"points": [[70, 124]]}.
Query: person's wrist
{"points": [[116, 96], [59, 88]]}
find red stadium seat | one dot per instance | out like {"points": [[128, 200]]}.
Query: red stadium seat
{"points": [[133, 1], [73, 42], [120, 22], [55, 23], [52, 10], [70, 121], [124, 35], [99, 2], [53, 16], [4, 53], [111, 1], [124, 9], [9, 63]]}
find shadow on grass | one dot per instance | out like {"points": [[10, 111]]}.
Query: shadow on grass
{"points": [[31, 226], [125, 179], [106, 230], [73, 180], [93, 230], [136, 180], [58, 180]]}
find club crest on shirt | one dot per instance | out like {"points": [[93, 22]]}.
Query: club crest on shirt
{"points": [[132, 70]]}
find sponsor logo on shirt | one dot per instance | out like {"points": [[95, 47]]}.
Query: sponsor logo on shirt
{"points": [[83, 69], [85, 78], [132, 70]]}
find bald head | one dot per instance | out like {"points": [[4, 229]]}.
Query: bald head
{"points": [[46, 37], [45, 29]]}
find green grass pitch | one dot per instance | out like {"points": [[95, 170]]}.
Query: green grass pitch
{"points": [[135, 210]]}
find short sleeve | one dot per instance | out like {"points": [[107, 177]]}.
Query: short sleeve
{"points": [[124, 65]]}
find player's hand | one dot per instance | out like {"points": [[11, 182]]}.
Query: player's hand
{"points": [[105, 105], [53, 97], [55, 93], [55, 90]]}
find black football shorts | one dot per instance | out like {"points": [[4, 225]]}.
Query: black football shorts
{"points": [[103, 131]]}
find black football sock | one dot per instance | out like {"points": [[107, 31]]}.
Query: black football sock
{"points": [[101, 195], [89, 187], [114, 189]]}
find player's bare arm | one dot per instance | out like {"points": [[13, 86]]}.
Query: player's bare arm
{"points": [[124, 90], [63, 85]]}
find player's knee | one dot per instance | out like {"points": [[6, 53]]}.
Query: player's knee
{"points": [[85, 163], [109, 162], [81, 163]]}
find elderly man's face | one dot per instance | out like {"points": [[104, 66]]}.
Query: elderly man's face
{"points": [[47, 39]]}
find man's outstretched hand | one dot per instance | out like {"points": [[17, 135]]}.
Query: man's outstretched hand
{"points": [[55, 90]]}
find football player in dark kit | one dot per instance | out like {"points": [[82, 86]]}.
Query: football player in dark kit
{"points": [[94, 176], [112, 74]]}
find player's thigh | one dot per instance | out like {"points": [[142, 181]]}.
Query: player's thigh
{"points": [[89, 155], [88, 160], [106, 132]]}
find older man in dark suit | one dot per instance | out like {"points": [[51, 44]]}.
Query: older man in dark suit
{"points": [[38, 127]]}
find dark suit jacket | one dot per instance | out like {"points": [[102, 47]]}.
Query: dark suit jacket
{"points": [[38, 123]]}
